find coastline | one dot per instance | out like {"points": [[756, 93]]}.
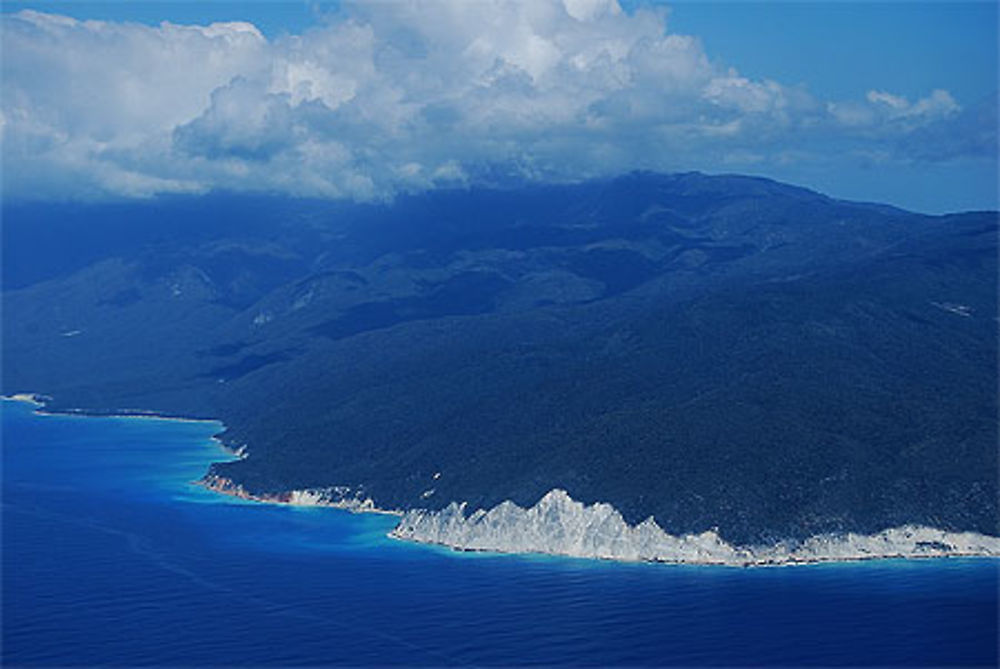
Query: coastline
{"points": [[40, 402], [704, 549], [333, 497], [789, 561], [779, 561], [560, 526], [33, 399]]}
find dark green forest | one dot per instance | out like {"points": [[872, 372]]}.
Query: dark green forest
{"points": [[716, 351]]}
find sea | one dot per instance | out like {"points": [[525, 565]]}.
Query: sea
{"points": [[112, 557]]}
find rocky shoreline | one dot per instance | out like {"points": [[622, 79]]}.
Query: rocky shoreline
{"points": [[559, 525], [334, 497]]}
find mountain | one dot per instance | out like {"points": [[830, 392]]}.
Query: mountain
{"points": [[715, 351]]}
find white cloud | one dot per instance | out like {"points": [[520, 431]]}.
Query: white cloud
{"points": [[389, 96], [741, 94], [939, 104]]}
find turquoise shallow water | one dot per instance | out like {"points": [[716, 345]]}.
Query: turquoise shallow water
{"points": [[110, 556]]}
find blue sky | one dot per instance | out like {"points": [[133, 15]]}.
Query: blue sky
{"points": [[892, 101]]}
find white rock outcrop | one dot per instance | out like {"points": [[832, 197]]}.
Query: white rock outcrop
{"points": [[559, 525], [335, 497]]}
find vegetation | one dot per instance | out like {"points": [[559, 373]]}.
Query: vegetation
{"points": [[715, 351]]}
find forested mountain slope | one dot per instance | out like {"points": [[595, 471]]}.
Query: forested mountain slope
{"points": [[719, 351]]}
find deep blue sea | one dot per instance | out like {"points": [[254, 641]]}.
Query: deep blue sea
{"points": [[111, 557]]}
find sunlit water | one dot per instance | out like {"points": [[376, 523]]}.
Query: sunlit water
{"points": [[110, 556]]}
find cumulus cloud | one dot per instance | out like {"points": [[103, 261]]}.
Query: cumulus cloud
{"points": [[969, 133], [384, 97]]}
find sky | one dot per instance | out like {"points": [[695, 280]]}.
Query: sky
{"points": [[891, 102]]}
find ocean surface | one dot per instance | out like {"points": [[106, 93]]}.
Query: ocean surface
{"points": [[111, 556]]}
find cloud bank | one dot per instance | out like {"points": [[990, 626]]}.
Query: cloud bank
{"points": [[390, 97]]}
